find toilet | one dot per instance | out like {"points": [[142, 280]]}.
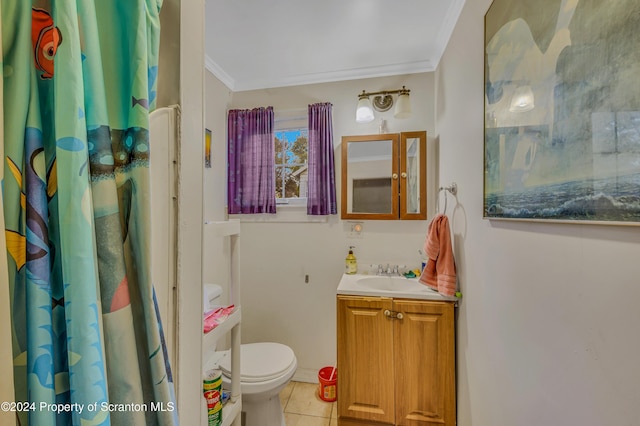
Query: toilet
{"points": [[265, 369]]}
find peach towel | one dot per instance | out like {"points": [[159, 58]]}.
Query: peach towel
{"points": [[440, 271]]}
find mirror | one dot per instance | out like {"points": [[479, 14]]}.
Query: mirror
{"points": [[368, 169], [413, 182], [384, 176]]}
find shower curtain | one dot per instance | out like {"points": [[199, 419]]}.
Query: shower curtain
{"points": [[6, 358], [79, 80]]}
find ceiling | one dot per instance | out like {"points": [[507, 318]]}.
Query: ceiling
{"points": [[257, 44]]}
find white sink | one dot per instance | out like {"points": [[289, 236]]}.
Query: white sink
{"points": [[385, 286], [390, 283]]}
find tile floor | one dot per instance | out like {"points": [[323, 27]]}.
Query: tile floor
{"points": [[303, 407]]}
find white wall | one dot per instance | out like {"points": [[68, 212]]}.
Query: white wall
{"points": [[548, 327], [217, 100], [216, 249], [275, 257], [188, 17]]}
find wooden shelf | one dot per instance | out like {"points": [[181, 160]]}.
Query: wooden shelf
{"points": [[212, 337], [211, 357], [230, 411]]}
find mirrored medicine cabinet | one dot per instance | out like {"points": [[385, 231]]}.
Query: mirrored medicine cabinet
{"points": [[384, 176]]}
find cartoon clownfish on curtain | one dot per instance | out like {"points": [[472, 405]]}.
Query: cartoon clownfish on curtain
{"points": [[45, 39]]}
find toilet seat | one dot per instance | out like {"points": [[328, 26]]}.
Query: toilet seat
{"points": [[260, 362]]}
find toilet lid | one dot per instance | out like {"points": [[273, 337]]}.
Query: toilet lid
{"points": [[260, 362]]}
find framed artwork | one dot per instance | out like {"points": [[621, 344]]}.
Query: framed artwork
{"points": [[562, 111], [207, 148]]}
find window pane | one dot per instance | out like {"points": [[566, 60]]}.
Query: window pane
{"points": [[291, 163]]}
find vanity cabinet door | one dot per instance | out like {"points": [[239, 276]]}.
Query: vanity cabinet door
{"points": [[369, 188], [424, 363], [413, 175], [365, 361]]}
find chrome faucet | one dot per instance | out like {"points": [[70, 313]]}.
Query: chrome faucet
{"points": [[389, 271]]}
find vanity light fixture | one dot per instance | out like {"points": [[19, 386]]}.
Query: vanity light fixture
{"points": [[383, 101]]}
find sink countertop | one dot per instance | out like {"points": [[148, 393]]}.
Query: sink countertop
{"points": [[374, 285]]}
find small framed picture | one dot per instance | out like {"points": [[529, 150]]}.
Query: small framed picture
{"points": [[207, 148]]}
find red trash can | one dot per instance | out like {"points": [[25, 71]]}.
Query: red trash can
{"points": [[327, 388]]}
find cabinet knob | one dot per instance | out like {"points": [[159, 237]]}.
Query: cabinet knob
{"points": [[392, 314], [395, 176], [404, 175]]}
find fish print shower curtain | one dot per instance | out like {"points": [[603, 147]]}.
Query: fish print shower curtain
{"points": [[79, 80]]}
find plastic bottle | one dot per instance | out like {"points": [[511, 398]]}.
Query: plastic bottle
{"points": [[350, 263]]}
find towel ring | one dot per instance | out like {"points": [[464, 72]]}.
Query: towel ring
{"points": [[445, 202], [453, 189]]}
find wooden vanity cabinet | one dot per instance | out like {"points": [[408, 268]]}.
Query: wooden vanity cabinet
{"points": [[396, 362]]}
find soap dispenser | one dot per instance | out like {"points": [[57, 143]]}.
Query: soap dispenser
{"points": [[350, 263]]}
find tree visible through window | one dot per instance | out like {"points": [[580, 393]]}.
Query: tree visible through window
{"points": [[291, 163]]}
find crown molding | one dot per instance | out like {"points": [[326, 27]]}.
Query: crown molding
{"points": [[448, 25], [331, 76], [214, 69]]}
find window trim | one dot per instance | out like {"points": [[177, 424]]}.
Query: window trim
{"points": [[293, 124], [285, 213]]}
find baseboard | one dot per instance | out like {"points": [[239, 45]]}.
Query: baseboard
{"points": [[307, 375]]}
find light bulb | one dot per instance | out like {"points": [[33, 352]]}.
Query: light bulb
{"points": [[364, 110], [403, 106]]}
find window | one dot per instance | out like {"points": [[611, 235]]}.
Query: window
{"points": [[291, 165], [289, 170]]}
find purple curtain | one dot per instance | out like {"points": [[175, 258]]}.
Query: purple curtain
{"points": [[251, 186], [321, 196]]}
